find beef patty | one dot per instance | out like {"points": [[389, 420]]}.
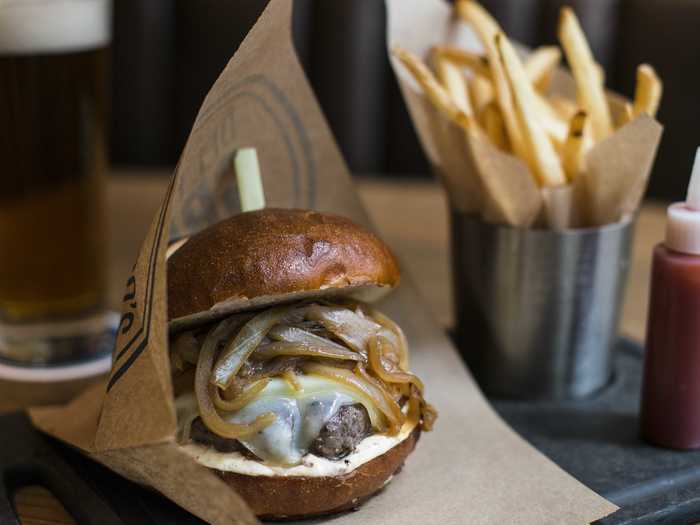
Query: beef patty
{"points": [[342, 433], [338, 437]]}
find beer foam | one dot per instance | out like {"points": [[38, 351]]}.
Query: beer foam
{"points": [[53, 26]]}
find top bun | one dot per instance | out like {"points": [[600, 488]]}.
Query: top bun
{"points": [[264, 257]]}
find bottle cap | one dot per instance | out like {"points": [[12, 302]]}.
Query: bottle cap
{"points": [[683, 228]]}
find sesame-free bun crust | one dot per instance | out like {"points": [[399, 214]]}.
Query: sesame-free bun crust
{"points": [[271, 256], [279, 497]]}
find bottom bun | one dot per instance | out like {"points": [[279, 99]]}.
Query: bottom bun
{"points": [[279, 497]]}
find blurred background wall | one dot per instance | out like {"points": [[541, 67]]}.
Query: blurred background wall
{"points": [[167, 53]]}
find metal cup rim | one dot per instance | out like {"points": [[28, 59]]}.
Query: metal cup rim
{"points": [[622, 224]]}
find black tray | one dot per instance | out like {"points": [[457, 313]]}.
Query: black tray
{"points": [[595, 440], [91, 493]]}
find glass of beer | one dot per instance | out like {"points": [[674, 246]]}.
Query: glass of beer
{"points": [[53, 156]]}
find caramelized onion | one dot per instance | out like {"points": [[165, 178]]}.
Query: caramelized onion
{"points": [[346, 325], [428, 416], [402, 343], [398, 416], [205, 392], [413, 417], [377, 345], [278, 348], [368, 389], [372, 360], [293, 334], [273, 367], [240, 399], [291, 378], [245, 342]]}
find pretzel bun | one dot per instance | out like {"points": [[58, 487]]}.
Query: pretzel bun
{"points": [[282, 497], [272, 256]]}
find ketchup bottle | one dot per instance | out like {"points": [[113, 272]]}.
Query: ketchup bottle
{"points": [[670, 411]]}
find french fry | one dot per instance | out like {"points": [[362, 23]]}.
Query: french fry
{"points": [[586, 73], [481, 91], [495, 128], [540, 65], [541, 156], [486, 29], [627, 115], [601, 74], [437, 95], [577, 144], [454, 81], [479, 64], [564, 107], [647, 96], [555, 126]]}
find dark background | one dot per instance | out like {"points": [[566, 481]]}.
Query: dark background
{"points": [[167, 53]]}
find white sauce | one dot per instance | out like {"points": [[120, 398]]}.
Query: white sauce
{"points": [[52, 26], [311, 466]]}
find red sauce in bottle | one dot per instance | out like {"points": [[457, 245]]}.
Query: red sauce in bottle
{"points": [[671, 390], [670, 411]]}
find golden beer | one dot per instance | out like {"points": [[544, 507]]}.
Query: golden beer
{"points": [[53, 108]]}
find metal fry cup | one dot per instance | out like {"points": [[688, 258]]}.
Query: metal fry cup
{"points": [[537, 311]]}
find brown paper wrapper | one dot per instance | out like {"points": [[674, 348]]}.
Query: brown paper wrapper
{"points": [[481, 179], [472, 468]]}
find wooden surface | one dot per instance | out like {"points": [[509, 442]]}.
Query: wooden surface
{"points": [[410, 215]]}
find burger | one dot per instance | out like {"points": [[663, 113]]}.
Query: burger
{"points": [[288, 384]]}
